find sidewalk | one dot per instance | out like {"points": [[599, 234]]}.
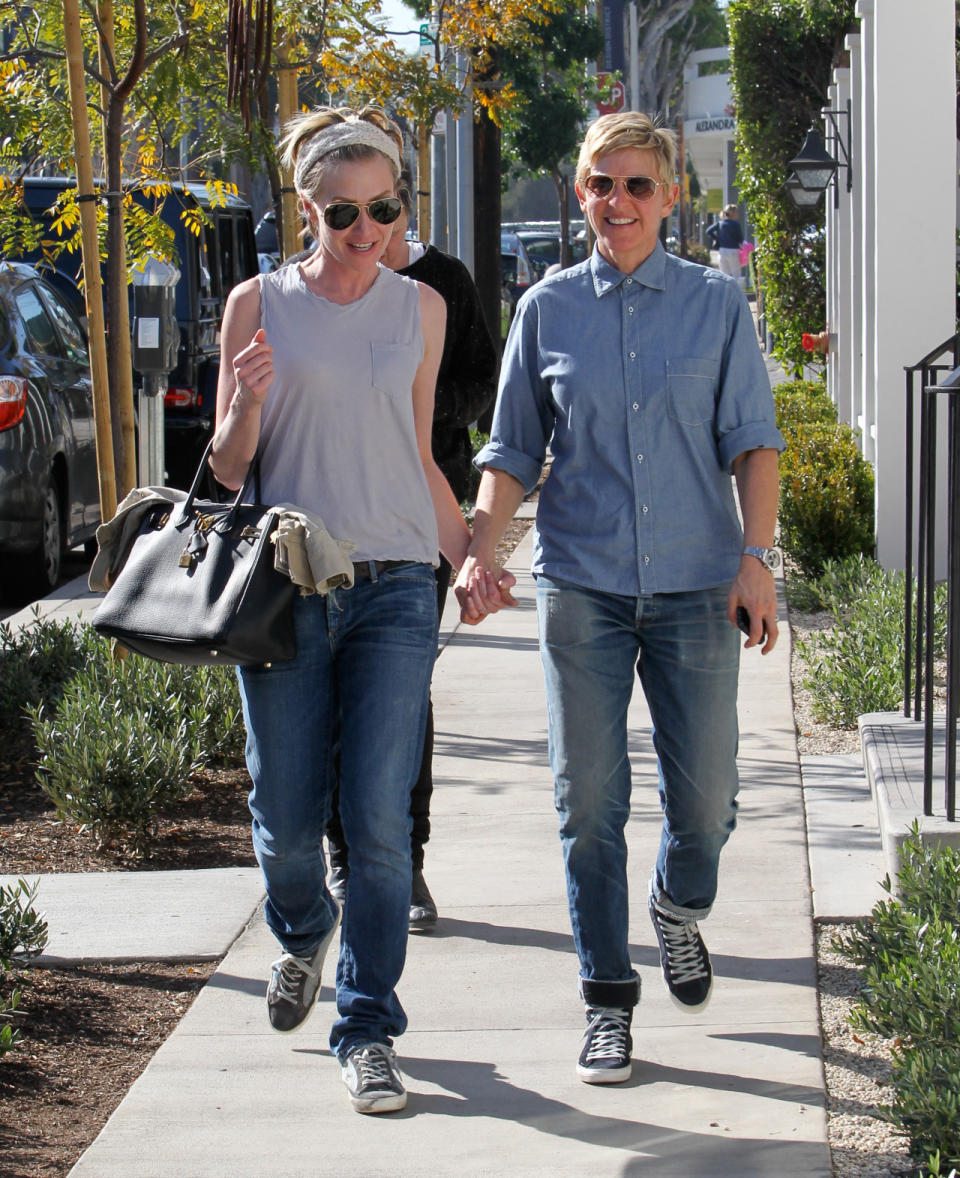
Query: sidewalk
{"points": [[495, 1020]]}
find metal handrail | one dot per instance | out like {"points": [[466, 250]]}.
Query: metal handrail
{"points": [[918, 640]]}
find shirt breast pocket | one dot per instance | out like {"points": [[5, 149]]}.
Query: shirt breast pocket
{"points": [[393, 367], [692, 390]]}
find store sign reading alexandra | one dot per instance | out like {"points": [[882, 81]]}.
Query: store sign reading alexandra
{"points": [[705, 126]]}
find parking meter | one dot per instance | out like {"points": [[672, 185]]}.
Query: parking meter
{"points": [[156, 339], [156, 333]]}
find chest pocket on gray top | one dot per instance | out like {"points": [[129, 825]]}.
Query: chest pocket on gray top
{"points": [[394, 365], [691, 390]]}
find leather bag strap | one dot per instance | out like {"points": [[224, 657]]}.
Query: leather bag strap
{"points": [[253, 475]]}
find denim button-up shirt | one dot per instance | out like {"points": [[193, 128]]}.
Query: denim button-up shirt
{"points": [[646, 387]]}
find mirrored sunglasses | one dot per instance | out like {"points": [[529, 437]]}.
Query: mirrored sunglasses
{"points": [[639, 188], [343, 214]]}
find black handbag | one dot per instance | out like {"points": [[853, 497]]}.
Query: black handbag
{"points": [[199, 585]]}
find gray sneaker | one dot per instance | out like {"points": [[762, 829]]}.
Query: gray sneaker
{"points": [[294, 986], [373, 1079]]}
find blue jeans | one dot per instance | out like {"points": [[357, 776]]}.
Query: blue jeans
{"points": [[361, 676], [686, 655]]}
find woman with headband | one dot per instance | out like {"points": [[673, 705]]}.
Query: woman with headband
{"points": [[330, 366]]}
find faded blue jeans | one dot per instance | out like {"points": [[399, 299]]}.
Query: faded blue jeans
{"points": [[361, 676], [686, 655]]}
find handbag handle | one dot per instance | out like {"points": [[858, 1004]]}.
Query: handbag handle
{"points": [[253, 473]]}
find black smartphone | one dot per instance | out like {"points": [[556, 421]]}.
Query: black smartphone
{"points": [[743, 622]]}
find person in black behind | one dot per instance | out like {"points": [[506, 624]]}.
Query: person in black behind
{"points": [[466, 386]]}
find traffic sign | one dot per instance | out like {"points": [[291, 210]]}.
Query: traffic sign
{"points": [[618, 96]]}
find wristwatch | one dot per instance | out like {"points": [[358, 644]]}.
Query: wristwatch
{"points": [[768, 556]]}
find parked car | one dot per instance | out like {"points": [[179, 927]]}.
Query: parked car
{"points": [[210, 264], [516, 273], [49, 497], [543, 250], [268, 242]]}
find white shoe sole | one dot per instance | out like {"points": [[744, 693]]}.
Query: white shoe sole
{"points": [[604, 1075], [379, 1104], [683, 1005]]}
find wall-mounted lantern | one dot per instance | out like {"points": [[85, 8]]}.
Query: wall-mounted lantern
{"points": [[814, 167], [803, 198]]}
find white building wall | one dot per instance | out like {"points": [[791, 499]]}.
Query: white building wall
{"points": [[831, 222], [865, 158], [709, 125], [842, 324], [915, 135], [856, 240]]}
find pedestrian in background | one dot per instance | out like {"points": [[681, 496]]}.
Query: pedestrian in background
{"points": [[726, 237], [466, 387]]}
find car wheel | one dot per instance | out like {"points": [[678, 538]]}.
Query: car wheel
{"points": [[41, 568]]}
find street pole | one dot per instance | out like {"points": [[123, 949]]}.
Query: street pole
{"points": [[682, 176], [465, 168], [438, 183], [90, 252], [450, 182]]}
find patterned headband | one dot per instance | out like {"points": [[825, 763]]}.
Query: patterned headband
{"points": [[341, 135]]}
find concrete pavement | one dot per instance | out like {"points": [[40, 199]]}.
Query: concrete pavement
{"points": [[495, 1020]]}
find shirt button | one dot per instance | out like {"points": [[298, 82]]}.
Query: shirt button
{"points": [[630, 310], [629, 282], [639, 458], [646, 560], [636, 405], [633, 355], [644, 509]]}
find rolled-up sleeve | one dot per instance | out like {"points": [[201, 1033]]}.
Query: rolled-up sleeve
{"points": [[745, 413], [523, 418]]}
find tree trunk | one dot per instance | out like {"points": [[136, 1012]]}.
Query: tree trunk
{"points": [[281, 180], [118, 310], [424, 180], [93, 291]]}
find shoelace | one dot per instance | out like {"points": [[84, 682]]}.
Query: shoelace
{"points": [[610, 1027], [374, 1067], [684, 959], [289, 970]]}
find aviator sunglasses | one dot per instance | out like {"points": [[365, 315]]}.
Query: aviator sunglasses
{"points": [[640, 188], [342, 214]]}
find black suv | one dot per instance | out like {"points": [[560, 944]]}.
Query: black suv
{"points": [[49, 499], [210, 264]]}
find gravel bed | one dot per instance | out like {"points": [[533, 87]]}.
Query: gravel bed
{"points": [[856, 1066], [857, 1071]]}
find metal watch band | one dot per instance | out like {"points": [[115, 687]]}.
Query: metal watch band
{"points": [[767, 556]]}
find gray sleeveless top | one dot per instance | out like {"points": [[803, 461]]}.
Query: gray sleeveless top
{"points": [[337, 434]]}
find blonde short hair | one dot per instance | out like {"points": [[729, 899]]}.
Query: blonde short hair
{"points": [[626, 129], [300, 132], [730, 211]]}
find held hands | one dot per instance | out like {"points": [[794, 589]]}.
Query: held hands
{"points": [[482, 589], [754, 590], [253, 367]]}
